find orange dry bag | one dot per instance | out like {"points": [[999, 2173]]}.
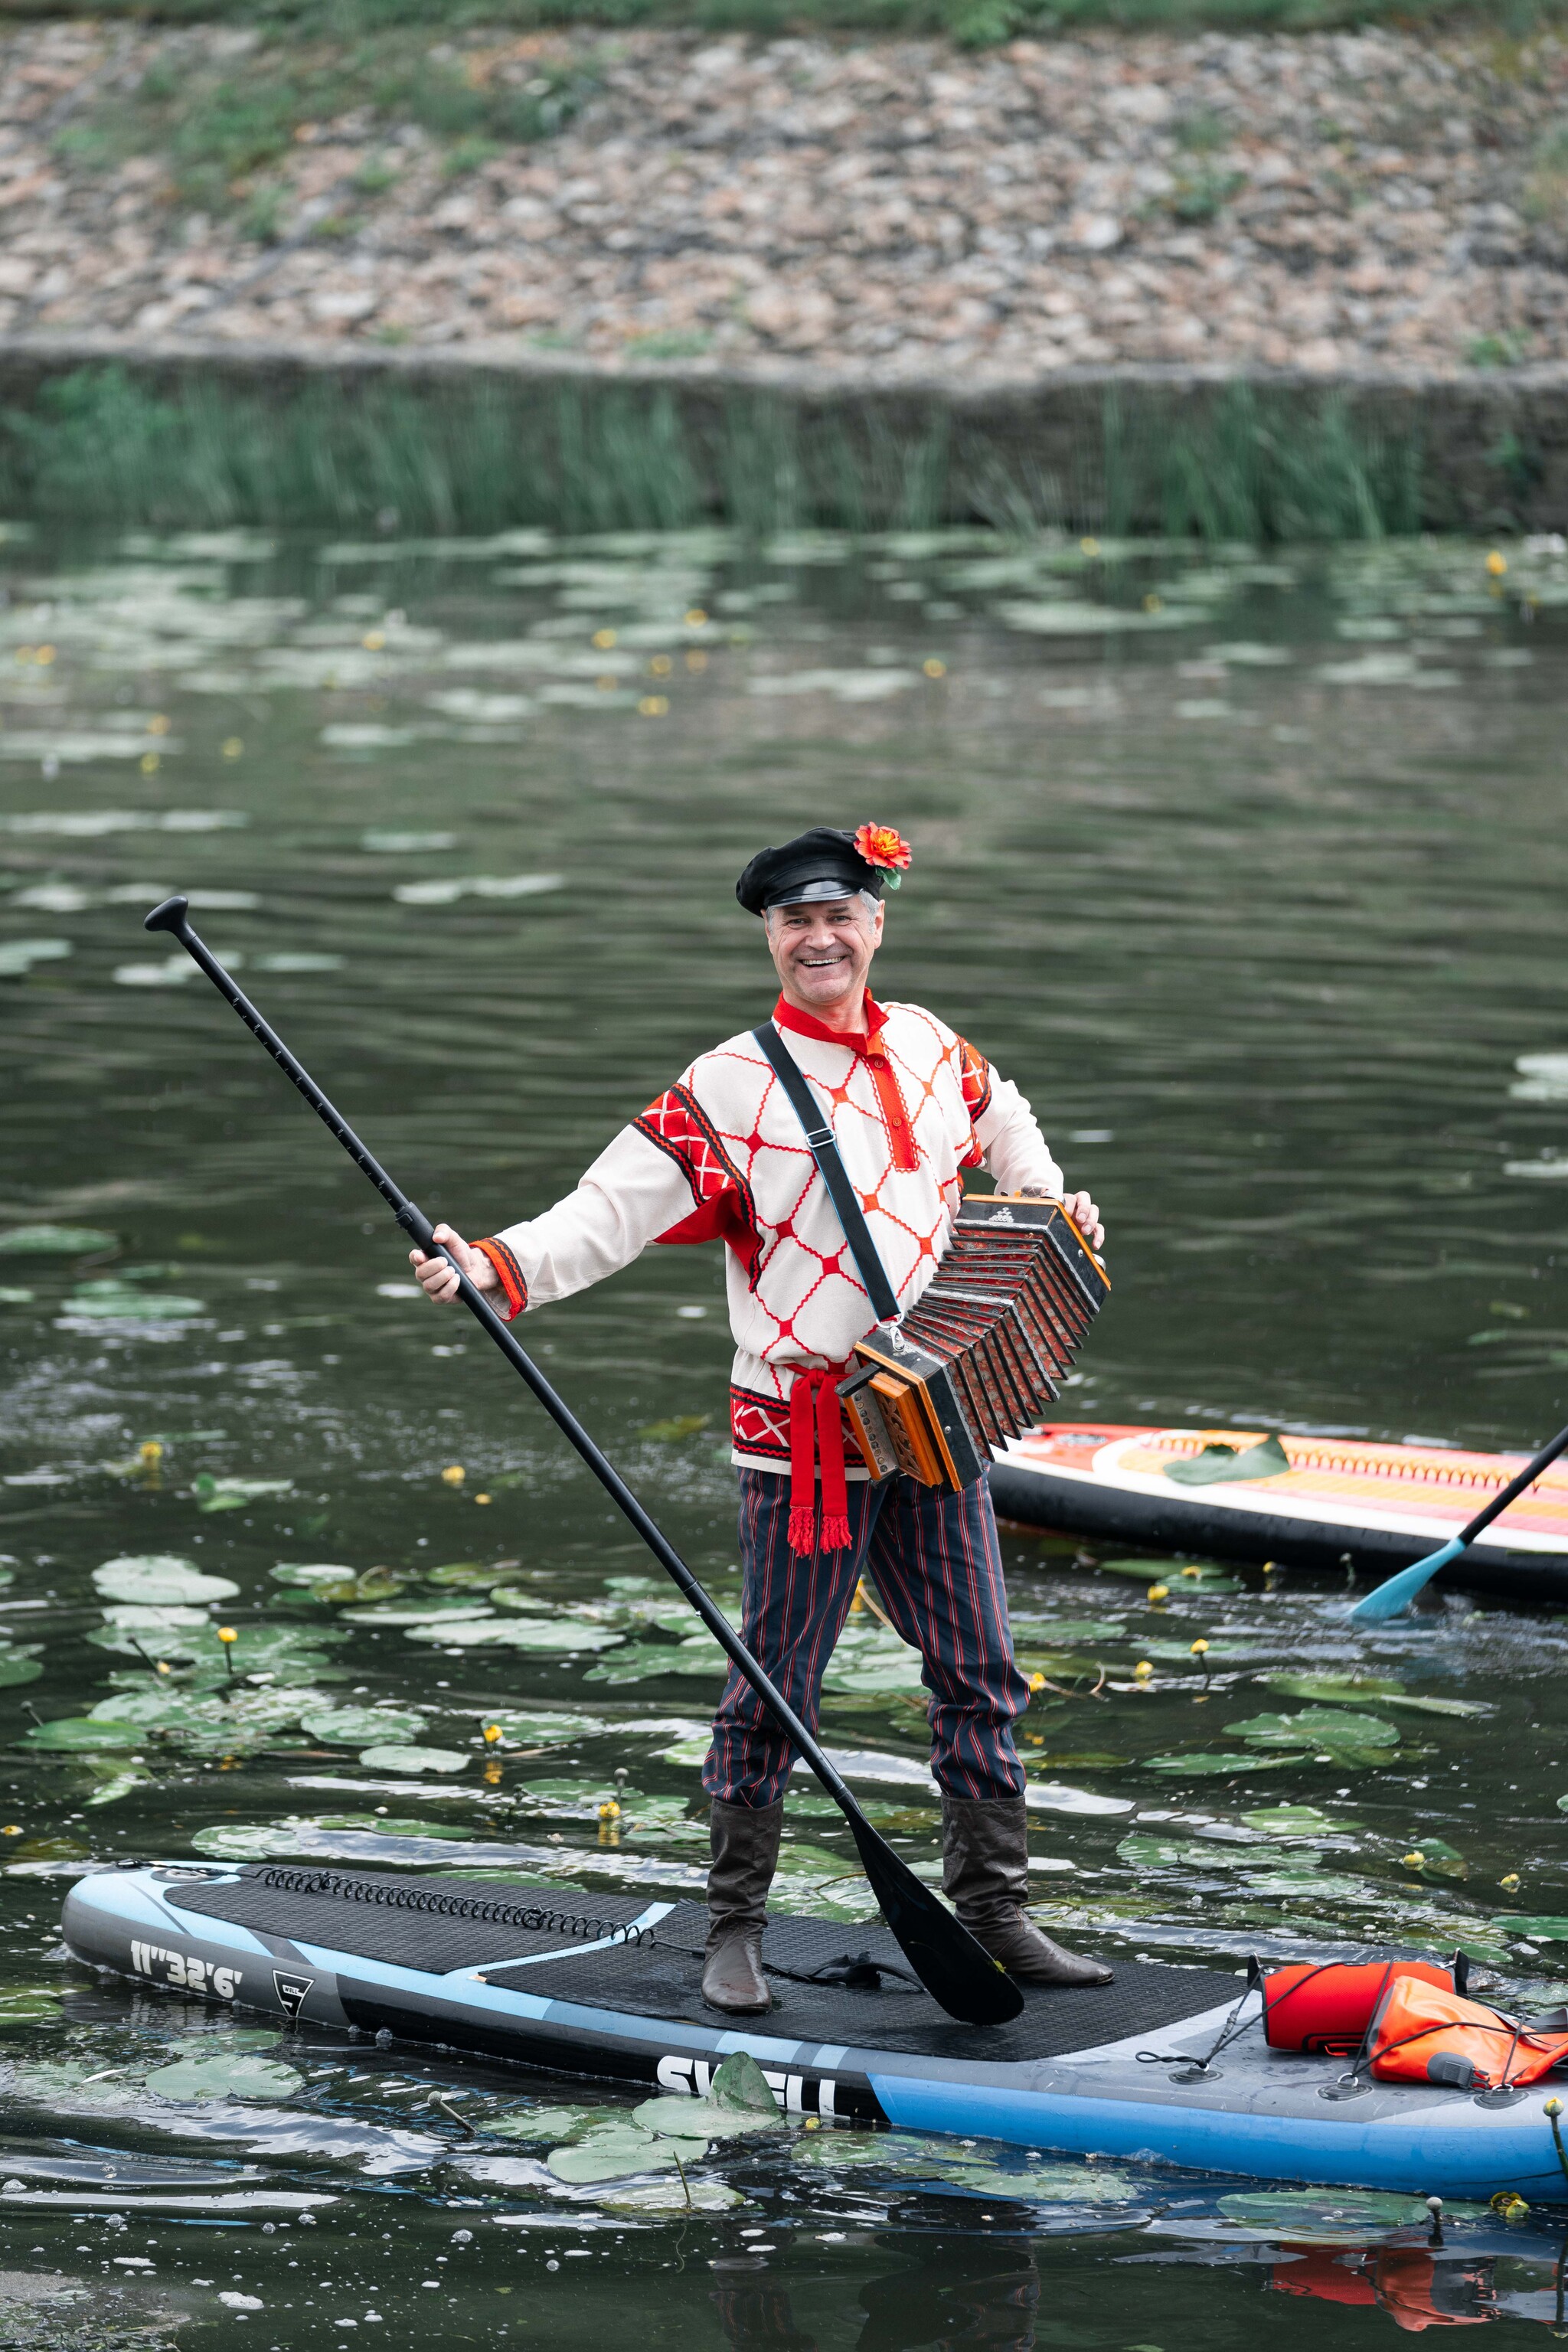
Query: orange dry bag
{"points": [[1325, 2008], [1426, 2033]]}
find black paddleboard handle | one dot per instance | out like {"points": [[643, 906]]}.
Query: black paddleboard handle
{"points": [[955, 1970]]}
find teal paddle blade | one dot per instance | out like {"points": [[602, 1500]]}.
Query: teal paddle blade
{"points": [[1400, 1590]]}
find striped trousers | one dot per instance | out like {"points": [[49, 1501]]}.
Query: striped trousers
{"points": [[937, 1566]]}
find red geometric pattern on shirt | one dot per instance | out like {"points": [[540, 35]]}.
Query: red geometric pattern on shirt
{"points": [[977, 1074], [759, 1425], [680, 1127], [807, 1303]]}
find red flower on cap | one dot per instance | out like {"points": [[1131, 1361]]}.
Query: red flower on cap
{"points": [[883, 847]]}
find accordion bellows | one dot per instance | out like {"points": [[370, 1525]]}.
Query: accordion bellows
{"points": [[983, 1347]]}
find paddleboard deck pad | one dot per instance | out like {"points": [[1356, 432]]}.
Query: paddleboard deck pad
{"points": [[607, 1988], [1302, 1502]]}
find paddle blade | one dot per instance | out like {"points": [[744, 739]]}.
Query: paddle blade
{"points": [[1398, 1591], [956, 1971]]}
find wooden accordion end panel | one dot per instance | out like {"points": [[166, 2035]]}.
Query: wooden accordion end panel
{"points": [[975, 1360]]}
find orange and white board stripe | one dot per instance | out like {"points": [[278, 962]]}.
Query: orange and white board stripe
{"points": [[1428, 1490]]}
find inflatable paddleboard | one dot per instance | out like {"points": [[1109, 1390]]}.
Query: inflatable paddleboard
{"points": [[1323, 1503], [607, 1988]]}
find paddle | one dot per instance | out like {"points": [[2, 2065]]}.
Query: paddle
{"points": [[955, 1970], [1398, 1591]]}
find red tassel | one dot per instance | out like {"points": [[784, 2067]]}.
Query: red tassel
{"points": [[816, 1433], [803, 1530]]}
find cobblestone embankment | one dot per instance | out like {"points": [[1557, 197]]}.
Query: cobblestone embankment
{"points": [[1334, 205]]}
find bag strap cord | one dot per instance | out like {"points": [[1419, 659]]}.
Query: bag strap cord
{"points": [[824, 1149]]}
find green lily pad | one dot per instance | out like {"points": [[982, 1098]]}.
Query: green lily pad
{"points": [[1333, 1687], [1317, 1727], [1184, 1577], [439, 1608], [280, 1650], [225, 2076], [413, 1759], [1297, 1821], [619, 2151], [118, 1785], [29, 2005], [1323, 2216], [1139, 1572], [1301, 1882], [56, 1240], [740, 2087], [1147, 1850], [648, 1661], [78, 1735], [111, 1301], [858, 2151], [1349, 1689], [1423, 1705], [233, 1493], [311, 1574], [874, 1682], [466, 1574], [557, 1634], [678, 2118], [1538, 1930], [350, 1727], [270, 1840], [1212, 1764], [555, 2124], [18, 1667], [523, 1605], [1218, 1463], [541, 1726], [153, 1619], [1072, 2184], [160, 1580]]}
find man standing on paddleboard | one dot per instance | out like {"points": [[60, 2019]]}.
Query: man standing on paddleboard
{"points": [[724, 1155]]}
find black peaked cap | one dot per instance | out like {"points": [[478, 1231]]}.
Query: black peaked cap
{"points": [[783, 877]]}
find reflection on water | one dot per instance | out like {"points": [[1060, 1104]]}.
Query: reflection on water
{"points": [[1250, 872]]}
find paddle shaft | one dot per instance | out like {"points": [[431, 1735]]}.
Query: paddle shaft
{"points": [[418, 1226], [1514, 1489], [1396, 1591]]}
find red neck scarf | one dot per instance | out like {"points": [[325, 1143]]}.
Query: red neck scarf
{"points": [[870, 1049]]}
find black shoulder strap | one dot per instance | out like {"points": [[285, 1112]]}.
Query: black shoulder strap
{"points": [[835, 1175]]}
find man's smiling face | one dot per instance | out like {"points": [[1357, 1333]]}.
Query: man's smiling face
{"points": [[822, 950]]}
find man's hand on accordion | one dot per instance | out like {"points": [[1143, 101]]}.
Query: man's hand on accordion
{"points": [[1079, 1207]]}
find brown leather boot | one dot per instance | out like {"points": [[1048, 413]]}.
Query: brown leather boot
{"points": [[986, 1877], [745, 1842]]}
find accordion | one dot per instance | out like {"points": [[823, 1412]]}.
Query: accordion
{"points": [[981, 1349]]}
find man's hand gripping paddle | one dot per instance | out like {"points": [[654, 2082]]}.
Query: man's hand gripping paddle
{"points": [[1388, 1599], [956, 1970]]}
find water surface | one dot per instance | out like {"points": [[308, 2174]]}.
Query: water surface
{"points": [[1249, 870]]}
